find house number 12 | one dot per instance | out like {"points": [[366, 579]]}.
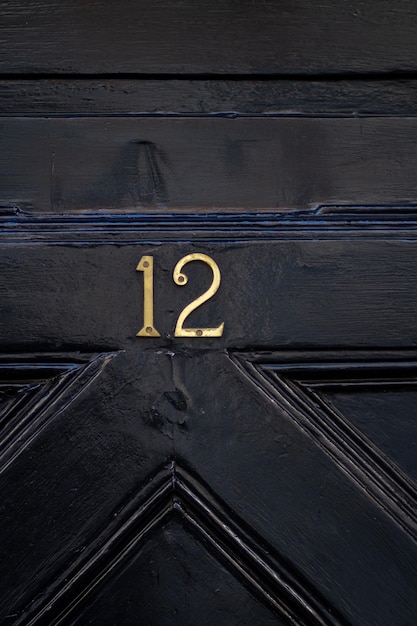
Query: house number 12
{"points": [[148, 329]]}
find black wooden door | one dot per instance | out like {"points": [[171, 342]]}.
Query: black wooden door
{"points": [[253, 460]]}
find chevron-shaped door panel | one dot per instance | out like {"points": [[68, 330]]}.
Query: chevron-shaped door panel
{"points": [[251, 457]]}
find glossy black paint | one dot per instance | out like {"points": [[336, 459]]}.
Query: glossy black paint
{"points": [[263, 477], [302, 486]]}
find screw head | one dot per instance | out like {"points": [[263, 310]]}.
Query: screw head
{"points": [[199, 333]]}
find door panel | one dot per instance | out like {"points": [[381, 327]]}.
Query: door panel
{"points": [[386, 417], [254, 463], [177, 569], [230, 462]]}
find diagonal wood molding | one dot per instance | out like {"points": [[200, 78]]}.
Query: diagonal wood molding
{"points": [[293, 381], [172, 492], [39, 387]]}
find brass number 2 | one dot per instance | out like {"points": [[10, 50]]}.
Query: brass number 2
{"points": [[181, 279], [148, 329]]}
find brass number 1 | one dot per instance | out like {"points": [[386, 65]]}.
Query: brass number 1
{"points": [[145, 265], [181, 279]]}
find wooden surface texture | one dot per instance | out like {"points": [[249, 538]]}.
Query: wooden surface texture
{"points": [[264, 476], [217, 37], [69, 164], [221, 97]]}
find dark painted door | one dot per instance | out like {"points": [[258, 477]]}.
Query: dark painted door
{"points": [[251, 460]]}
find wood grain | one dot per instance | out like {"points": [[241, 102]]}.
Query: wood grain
{"points": [[226, 97], [207, 482], [183, 37], [127, 164]]}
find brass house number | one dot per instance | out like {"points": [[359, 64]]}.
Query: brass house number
{"points": [[148, 329]]}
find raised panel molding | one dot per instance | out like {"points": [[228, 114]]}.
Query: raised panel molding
{"points": [[36, 388], [174, 493], [294, 382]]}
